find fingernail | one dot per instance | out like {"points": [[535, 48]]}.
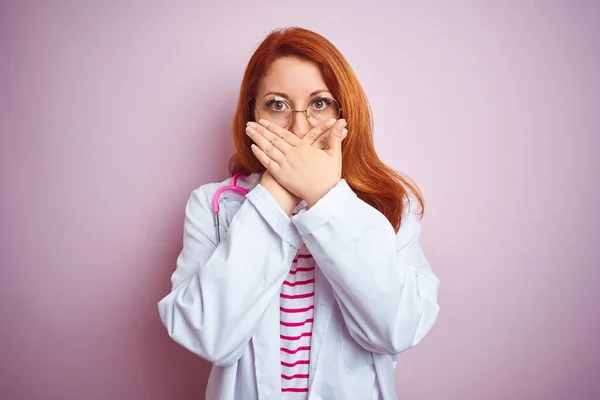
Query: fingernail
{"points": [[331, 122], [344, 132], [263, 122], [249, 130], [250, 123]]}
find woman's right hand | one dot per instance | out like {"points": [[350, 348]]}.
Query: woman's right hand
{"points": [[317, 136]]}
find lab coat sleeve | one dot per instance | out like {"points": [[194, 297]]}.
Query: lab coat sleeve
{"points": [[381, 280], [219, 293]]}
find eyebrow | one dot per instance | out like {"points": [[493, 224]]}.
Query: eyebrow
{"points": [[285, 96]]}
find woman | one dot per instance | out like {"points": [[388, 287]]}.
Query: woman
{"points": [[318, 281]]}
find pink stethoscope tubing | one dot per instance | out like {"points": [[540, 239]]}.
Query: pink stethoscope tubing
{"points": [[215, 204]]}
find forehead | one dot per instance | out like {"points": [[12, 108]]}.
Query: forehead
{"points": [[297, 78]]}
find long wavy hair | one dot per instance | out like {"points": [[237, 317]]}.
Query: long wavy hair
{"points": [[372, 180]]}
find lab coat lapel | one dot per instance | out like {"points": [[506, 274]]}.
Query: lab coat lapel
{"points": [[266, 353], [322, 316]]}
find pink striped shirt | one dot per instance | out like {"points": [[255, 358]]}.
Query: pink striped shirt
{"points": [[296, 317]]}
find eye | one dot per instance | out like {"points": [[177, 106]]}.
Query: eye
{"points": [[276, 105], [321, 103]]}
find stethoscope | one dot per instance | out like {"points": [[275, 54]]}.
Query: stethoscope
{"points": [[215, 205]]}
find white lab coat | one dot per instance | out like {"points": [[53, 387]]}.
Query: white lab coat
{"points": [[375, 293]]}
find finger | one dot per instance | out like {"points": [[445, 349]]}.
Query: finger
{"points": [[286, 135], [272, 137], [335, 138], [265, 160], [266, 146], [317, 132], [323, 141]]}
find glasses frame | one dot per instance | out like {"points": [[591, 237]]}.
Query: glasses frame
{"points": [[305, 111]]}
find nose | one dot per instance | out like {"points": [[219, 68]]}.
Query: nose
{"points": [[299, 125]]}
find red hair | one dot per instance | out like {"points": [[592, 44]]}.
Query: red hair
{"points": [[372, 180]]}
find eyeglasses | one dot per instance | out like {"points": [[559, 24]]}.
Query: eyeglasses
{"points": [[278, 110]]}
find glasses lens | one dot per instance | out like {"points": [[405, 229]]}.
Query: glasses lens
{"points": [[276, 110], [321, 109]]}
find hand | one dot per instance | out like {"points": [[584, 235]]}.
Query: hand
{"points": [[286, 200], [305, 170]]}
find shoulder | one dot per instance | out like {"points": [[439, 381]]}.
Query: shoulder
{"points": [[410, 226], [411, 207]]}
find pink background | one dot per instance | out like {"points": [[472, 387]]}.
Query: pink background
{"points": [[111, 115]]}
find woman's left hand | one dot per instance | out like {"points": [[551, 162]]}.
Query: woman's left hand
{"points": [[305, 170]]}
